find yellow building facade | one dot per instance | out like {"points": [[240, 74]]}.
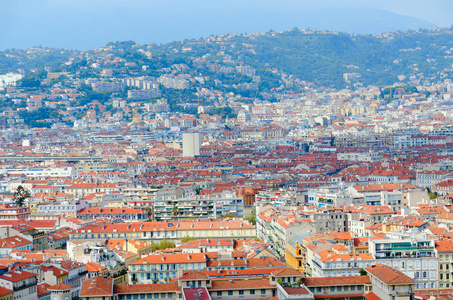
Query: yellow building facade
{"points": [[295, 257]]}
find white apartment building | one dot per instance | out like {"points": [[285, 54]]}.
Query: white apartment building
{"points": [[42, 172], [24, 284], [339, 263], [390, 284], [191, 143], [413, 254], [68, 209]]}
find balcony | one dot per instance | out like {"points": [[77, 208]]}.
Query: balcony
{"points": [[408, 255], [24, 286], [38, 234], [405, 248], [426, 248]]}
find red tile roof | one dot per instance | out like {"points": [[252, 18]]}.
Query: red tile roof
{"points": [[444, 245], [17, 276], [221, 285], [196, 294], [42, 289], [372, 296], [93, 267], [60, 287], [194, 275], [14, 241], [97, 286], [329, 281], [286, 272], [296, 291], [4, 291], [389, 275], [146, 288]]}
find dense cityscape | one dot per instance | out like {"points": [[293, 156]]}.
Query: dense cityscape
{"points": [[197, 170]]}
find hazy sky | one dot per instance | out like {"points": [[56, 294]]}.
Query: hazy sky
{"points": [[85, 24]]}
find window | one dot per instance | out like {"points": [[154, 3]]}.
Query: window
{"points": [[346, 288], [241, 292], [338, 288], [263, 292], [332, 289], [252, 292], [230, 293], [219, 293]]}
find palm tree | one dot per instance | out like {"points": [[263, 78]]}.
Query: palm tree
{"points": [[150, 213], [20, 195], [175, 210]]}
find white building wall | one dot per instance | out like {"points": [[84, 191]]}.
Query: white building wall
{"points": [[191, 144]]}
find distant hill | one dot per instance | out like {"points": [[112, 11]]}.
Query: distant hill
{"points": [[363, 21], [323, 57], [320, 57]]}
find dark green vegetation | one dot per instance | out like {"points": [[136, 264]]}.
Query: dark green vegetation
{"points": [[188, 239], [162, 245], [20, 195], [12, 59], [34, 118], [322, 57], [252, 217]]}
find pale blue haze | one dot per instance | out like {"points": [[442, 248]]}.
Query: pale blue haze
{"points": [[86, 24]]}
